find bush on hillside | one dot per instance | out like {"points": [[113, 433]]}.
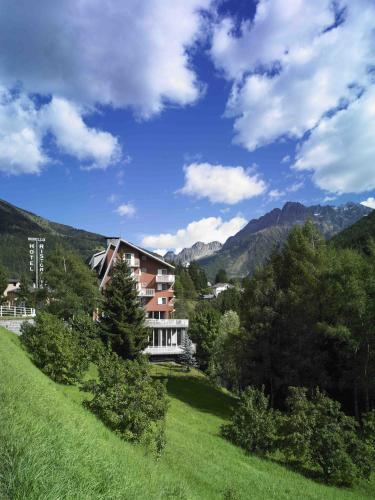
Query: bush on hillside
{"points": [[54, 348], [88, 335], [129, 401], [314, 434], [253, 425]]}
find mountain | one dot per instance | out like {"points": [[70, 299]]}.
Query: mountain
{"points": [[197, 251], [357, 235], [245, 251], [16, 225]]}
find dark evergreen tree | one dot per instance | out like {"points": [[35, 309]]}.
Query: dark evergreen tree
{"points": [[198, 276], [123, 317], [71, 288], [26, 293], [229, 300], [221, 276], [3, 283]]}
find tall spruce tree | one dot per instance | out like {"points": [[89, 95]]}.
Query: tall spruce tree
{"points": [[187, 358], [123, 319]]}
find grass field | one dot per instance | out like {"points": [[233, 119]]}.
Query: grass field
{"points": [[52, 448]]}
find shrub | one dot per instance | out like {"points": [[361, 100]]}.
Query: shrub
{"points": [[129, 401], [88, 336], [253, 425], [54, 348], [315, 432], [297, 427]]}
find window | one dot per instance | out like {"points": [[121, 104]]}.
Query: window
{"points": [[162, 286], [128, 256], [144, 270], [162, 300], [162, 271], [143, 257]]}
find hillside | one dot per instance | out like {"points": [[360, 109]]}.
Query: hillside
{"points": [[357, 235], [249, 248], [51, 447], [16, 225]]}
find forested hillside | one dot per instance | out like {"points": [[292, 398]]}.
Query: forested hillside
{"points": [[16, 225], [357, 235]]}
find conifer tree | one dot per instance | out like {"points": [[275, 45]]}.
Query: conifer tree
{"points": [[3, 283], [123, 318], [187, 358], [221, 276]]}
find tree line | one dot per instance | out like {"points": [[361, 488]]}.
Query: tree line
{"points": [[304, 321]]}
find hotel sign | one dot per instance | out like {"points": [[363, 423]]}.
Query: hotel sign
{"points": [[36, 259]]}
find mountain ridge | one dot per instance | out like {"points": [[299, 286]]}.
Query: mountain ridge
{"points": [[195, 252], [242, 253]]}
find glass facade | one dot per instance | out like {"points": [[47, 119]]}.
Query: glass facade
{"points": [[166, 337]]}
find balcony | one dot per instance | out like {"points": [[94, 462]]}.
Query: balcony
{"points": [[167, 323], [134, 262], [165, 278], [146, 292]]}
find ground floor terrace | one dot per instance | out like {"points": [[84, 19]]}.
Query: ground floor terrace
{"points": [[166, 336]]}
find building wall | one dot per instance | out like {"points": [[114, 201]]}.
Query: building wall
{"points": [[146, 274]]}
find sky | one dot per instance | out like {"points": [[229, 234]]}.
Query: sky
{"points": [[168, 122]]}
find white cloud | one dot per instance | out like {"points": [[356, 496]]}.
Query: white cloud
{"points": [[327, 199], [286, 159], [221, 184], [370, 202], [72, 135], [122, 53], [206, 230], [126, 210], [275, 194], [292, 64], [295, 187], [84, 55], [20, 139], [24, 125], [341, 150]]}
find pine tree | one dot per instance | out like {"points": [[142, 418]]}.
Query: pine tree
{"points": [[71, 287], [3, 283], [123, 318], [221, 276], [187, 358]]}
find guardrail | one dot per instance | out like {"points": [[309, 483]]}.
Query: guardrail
{"points": [[24, 312], [167, 323], [146, 292], [165, 278]]}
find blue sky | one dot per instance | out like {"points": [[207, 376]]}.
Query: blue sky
{"points": [[171, 121]]}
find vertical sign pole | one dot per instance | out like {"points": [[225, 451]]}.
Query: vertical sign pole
{"points": [[36, 259]]}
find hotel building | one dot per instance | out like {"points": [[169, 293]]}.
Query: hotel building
{"points": [[154, 280]]}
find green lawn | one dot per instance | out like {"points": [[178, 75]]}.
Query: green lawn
{"points": [[52, 448]]}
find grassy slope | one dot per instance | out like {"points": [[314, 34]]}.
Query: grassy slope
{"points": [[51, 448]]}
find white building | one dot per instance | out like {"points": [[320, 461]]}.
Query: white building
{"points": [[220, 287]]}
